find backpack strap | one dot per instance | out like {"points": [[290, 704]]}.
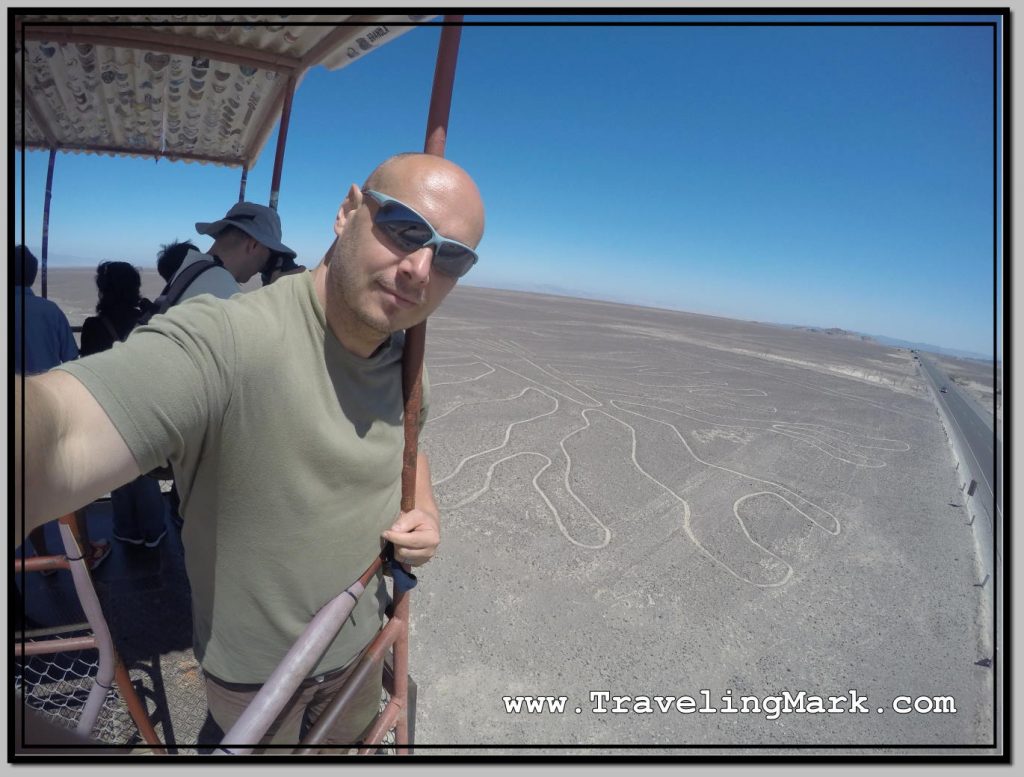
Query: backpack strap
{"points": [[111, 329], [179, 284], [176, 287]]}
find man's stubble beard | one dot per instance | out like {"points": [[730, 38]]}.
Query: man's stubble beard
{"points": [[350, 292]]}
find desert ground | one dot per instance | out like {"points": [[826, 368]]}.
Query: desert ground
{"points": [[654, 503]]}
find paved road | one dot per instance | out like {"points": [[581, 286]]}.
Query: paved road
{"points": [[983, 449]]}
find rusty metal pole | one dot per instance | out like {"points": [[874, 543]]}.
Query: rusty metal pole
{"points": [[415, 337], [282, 138], [412, 358], [135, 707], [46, 217], [241, 186], [444, 84]]}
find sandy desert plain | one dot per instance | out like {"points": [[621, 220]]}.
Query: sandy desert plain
{"points": [[652, 503]]}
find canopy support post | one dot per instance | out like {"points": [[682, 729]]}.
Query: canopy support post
{"points": [[415, 337], [46, 216], [241, 186], [282, 137], [444, 84], [412, 357]]}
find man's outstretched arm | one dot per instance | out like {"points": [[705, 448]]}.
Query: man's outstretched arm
{"points": [[72, 453]]}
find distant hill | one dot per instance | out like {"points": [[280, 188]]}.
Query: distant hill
{"points": [[883, 340], [832, 331], [932, 348]]}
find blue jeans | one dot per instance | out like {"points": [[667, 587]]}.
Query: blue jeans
{"points": [[138, 509]]}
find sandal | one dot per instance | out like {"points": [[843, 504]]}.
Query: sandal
{"points": [[100, 551]]}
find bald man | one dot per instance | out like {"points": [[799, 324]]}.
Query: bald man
{"points": [[281, 414]]}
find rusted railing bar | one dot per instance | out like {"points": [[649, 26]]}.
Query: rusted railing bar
{"points": [[373, 656], [295, 667], [393, 714], [40, 563], [65, 644], [135, 707]]}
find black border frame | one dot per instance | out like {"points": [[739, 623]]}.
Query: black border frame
{"points": [[1002, 88]]}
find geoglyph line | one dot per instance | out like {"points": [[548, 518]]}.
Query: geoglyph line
{"points": [[551, 507], [508, 434], [832, 449], [709, 416], [517, 352], [691, 387], [687, 527], [697, 458], [490, 473], [724, 403], [834, 452], [732, 392], [830, 392], [831, 440], [597, 403], [828, 431], [490, 370], [432, 418]]}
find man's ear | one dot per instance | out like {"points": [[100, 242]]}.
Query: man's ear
{"points": [[349, 205]]}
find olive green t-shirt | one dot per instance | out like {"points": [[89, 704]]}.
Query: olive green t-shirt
{"points": [[286, 450]]}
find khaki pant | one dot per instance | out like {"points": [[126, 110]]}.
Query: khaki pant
{"points": [[227, 701]]}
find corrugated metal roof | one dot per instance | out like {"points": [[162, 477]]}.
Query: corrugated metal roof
{"points": [[206, 88]]}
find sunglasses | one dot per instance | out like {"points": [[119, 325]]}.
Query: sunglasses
{"points": [[408, 230]]}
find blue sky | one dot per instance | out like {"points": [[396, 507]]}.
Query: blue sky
{"points": [[827, 176]]}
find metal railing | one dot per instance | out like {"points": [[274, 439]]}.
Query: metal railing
{"points": [[110, 670]]}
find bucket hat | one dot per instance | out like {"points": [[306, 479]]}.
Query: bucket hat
{"points": [[257, 221]]}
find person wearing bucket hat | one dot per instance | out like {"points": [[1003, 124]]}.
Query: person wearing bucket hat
{"points": [[245, 242], [305, 373]]}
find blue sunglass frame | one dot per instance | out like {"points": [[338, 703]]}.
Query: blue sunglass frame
{"points": [[447, 265]]}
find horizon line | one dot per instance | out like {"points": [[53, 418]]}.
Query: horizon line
{"points": [[593, 297]]}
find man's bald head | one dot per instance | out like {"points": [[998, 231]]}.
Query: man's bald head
{"points": [[434, 177], [372, 284]]}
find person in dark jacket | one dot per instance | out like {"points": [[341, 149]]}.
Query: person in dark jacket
{"points": [[138, 506], [43, 339]]}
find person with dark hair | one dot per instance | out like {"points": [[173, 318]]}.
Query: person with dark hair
{"points": [[43, 339], [119, 307], [171, 256], [46, 339], [138, 505]]}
